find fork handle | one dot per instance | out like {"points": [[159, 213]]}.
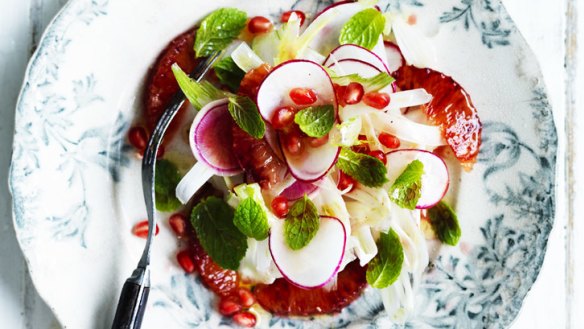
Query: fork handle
{"points": [[131, 306]]}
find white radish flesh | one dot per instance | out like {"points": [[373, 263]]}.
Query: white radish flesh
{"points": [[210, 146], [274, 93], [275, 89], [351, 51], [435, 180], [393, 56], [335, 17], [208, 140], [317, 263]]}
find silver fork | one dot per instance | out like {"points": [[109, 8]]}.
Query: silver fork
{"points": [[134, 295]]}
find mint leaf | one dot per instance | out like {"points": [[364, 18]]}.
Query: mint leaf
{"points": [[229, 73], [385, 267], [363, 29], [366, 169], [218, 30], [302, 223], [407, 188], [166, 178], [247, 116], [251, 219], [445, 223], [316, 121], [375, 83], [198, 93], [212, 219]]}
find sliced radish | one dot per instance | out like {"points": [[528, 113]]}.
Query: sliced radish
{"points": [[274, 90], [210, 146], [356, 66], [271, 136], [312, 163], [334, 17], [298, 189], [353, 66], [316, 264], [350, 51], [379, 51], [435, 180], [394, 57]]}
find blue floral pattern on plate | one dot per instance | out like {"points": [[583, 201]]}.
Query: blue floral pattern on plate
{"points": [[477, 285]]}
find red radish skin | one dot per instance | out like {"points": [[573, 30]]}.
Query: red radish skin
{"points": [[356, 52], [304, 162], [439, 176], [209, 142], [298, 189], [394, 56], [282, 254]]}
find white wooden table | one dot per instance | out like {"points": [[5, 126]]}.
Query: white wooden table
{"points": [[550, 27]]}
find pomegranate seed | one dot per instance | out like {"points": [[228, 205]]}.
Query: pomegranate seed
{"points": [[293, 143], [376, 100], [340, 93], [303, 96], [379, 155], [246, 297], [364, 147], [346, 182], [185, 261], [286, 16], [354, 93], [178, 223], [283, 117], [280, 206], [138, 138], [141, 229], [318, 142], [228, 307], [245, 319], [389, 140], [259, 24]]}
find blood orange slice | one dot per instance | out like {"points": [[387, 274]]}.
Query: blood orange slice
{"points": [[451, 108], [161, 84], [284, 299]]}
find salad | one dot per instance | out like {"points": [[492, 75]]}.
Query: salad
{"points": [[320, 159]]}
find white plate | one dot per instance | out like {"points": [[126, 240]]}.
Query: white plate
{"points": [[77, 191]]}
